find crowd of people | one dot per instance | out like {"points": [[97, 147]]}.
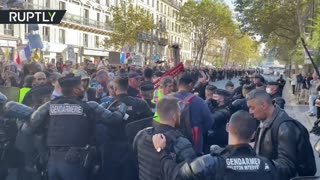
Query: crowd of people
{"points": [[110, 123]]}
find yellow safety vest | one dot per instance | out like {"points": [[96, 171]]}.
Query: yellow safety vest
{"points": [[22, 93], [157, 96]]}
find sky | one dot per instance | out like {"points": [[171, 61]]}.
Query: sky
{"points": [[229, 2]]}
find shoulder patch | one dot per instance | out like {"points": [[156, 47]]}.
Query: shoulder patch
{"points": [[245, 164], [66, 109]]}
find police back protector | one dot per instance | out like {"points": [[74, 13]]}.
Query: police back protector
{"points": [[243, 166], [71, 123]]}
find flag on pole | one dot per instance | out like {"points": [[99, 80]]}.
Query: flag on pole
{"points": [[27, 51], [17, 59], [122, 57], [6, 53], [36, 55]]}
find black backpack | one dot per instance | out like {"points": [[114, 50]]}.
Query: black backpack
{"points": [[305, 163], [185, 122]]}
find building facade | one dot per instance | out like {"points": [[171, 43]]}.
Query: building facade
{"points": [[86, 24]]}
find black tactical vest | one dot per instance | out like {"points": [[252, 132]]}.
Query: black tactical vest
{"points": [[149, 158], [71, 123], [243, 164]]}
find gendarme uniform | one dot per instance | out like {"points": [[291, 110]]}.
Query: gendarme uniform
{"points": [[70, 130]]}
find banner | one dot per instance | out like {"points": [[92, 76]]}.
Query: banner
{"points": [[71, 54], [173, 72], [12, 93]]}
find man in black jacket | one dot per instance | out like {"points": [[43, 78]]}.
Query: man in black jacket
{"points": [[180, 147], [284, 153], [221, 114], [238, 161], [118, 149], [274, 91]]}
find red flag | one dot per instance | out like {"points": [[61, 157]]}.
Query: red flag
{"points": [[17, 60], [173, 72]]}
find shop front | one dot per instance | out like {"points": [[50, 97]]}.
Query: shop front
{"points": [[7, 49], [52, 52], [94, 55]]}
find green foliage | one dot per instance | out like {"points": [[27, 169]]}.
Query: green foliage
{"points": [[209, 19], [279, 23], [127, 22], [243, 48], [315, 42]]}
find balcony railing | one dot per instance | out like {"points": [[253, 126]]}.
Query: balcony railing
{"points": [[147, 37], [75, 18], [85, 21], [8, 32]]}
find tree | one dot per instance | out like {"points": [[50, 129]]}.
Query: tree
{"points": [[279, 23], [207, 19], [242, 49], [127, 22]]}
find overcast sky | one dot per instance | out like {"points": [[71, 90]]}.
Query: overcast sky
{"points": [[229, 2]]}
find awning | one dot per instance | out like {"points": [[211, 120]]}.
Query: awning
{"points": [[55, 48], [95, 52]]}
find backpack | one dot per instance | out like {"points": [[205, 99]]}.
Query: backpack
{"points": [[185, 120], [305, 163]]}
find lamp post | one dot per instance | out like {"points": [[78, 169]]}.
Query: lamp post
{"points": [[176, 53]]}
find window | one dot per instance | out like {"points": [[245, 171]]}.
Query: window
{"points": [[165, 9], [96, 42], [107, 2], [107, 19], [85, 40], [62, 5], [47, 3], [152, 3], [161, 7], [172, 26], [8, 29], [98, 17], [86, 16], [62, 36], [157, 5], [98, 1], [46, 33]]}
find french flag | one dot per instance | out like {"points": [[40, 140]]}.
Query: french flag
{"points": [[25, 53]]}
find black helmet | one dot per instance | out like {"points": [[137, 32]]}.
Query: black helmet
{"points": [[3, 98]]}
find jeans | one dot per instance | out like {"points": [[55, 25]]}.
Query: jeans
{"points": [[61, 170], [293, 89], [312, 108]]}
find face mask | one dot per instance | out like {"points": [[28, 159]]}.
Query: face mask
{"points": [[269, 91]]}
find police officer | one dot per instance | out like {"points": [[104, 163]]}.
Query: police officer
{"points": [[3, 138], [70, 129], [238, 161], [10, 157], [218, 135], [146, 91], [241, 104], [118, 148], [180, 147], [274, 91]]}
